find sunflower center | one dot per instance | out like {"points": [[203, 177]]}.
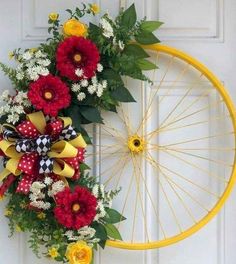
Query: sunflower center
{"points": [[77, 57], [136, 144], [76, 208], [48, 95]]}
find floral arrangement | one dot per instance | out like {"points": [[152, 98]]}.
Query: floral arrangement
{"points": [[59, 86]]}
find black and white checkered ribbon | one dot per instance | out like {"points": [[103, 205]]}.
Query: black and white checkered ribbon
{"points": [[42, 145]]}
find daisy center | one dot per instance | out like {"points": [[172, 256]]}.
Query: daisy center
{"points": [[77, 57], [48, 95], [136, 144], [76, 208]]}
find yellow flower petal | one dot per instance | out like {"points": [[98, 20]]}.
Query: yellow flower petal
{"points": [[18, 228], [41, 215], [74, 27], [53, 16], [11, 55], [95, 8], [8, 212], [79, 253], [53, 253]]}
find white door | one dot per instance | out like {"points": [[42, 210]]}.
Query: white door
{"points": [[206, 30]]}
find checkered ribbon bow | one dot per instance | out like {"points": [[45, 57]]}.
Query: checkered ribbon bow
{"points": [[41, 145]]}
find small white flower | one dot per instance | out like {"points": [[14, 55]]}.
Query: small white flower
{"points": [[107, 28], [13, 118], [44, 63], [48, 181], [99, 90], [81, 96], [46, 206], [75, 87], [57, 187], [92, 89], [5, 95], [20, 76], [99, 67], [95, 190], [79, 72], [39, 54], [84, 83], [18, 109], [94, 80], [121, 44], [104, 84], [27, 56]]}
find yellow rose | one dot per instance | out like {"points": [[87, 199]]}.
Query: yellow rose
{"points": [[95, 8], [53, 253], [79, 253], [53, 16], [2, 198], [74, 27]]}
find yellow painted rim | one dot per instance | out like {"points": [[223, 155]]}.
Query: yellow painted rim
{"points": [[221, 89]]}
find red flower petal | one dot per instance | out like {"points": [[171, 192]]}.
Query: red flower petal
{"points": [[70, 218], [72, 46], [49, 94]]}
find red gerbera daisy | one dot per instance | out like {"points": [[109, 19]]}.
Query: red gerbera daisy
{"points": [[77, 54], [49, 94], [75, 209]]}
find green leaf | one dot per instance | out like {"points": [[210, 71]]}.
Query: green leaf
{"points": [[91, 114], [84, 166], [110, 74], [122, 94], [101, 233], [129, 17], [113, 232], [146, 65], [135, 51], [146, 38], [113, 216], [73, 111], [150, 25]]}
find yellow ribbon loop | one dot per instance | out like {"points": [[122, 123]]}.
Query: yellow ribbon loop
{"points": [[63, 170], [38, 120], [62, 149], [78, 142], [9, 149]]}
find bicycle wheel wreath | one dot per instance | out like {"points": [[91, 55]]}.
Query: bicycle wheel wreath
{"points": [[59, 86]]}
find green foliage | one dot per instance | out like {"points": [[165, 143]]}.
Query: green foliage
{"points": [[150, 25], [113, 216], [113, 232], [129, 17], [122, 94]]}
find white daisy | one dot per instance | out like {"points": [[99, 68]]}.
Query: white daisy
{"points": [[81, 96], [79, 72], [99, 67], [84, 83], [75, 87], [107, 28]]}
